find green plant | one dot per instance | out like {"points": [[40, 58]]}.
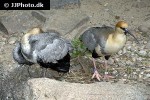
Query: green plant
{"points": [[78, 48]]}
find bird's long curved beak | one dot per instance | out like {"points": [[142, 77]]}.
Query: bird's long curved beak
{"points": [[127, 31]]}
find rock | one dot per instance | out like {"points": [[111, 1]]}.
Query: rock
{"points": [[57, 4], [66, 23], [140, 4], [147, 45], [148, 54], [129, 47], [115, 72], [124, 50], [48, 89], [19, 21], [110, 61], [146, 76], [139, 58], [120, 52], [38, 16], [142, 52], [128, 62], [143, 29], [3, 28], [12, 40]]}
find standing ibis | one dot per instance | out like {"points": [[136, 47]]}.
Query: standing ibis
{"points": [[47, 49], [105, 41]]}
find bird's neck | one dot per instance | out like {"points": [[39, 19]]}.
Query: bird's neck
{"points": [[119, 36], [25, 38]]}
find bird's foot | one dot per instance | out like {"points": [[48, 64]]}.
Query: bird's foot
{"points": [[96, 75], [107, 77]]}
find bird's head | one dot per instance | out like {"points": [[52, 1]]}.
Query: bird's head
{"points": [[35, 31], [122, 26]]}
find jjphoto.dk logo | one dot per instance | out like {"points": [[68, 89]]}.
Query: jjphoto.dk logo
{"points": [[6, 5], [15, 5]]}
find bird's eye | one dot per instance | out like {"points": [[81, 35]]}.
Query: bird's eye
{"points": [[123, 28]]}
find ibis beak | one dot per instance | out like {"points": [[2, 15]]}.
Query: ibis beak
{"points": [[127, 31]]}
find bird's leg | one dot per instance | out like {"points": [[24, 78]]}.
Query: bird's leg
{"points": [[106, 76], [96, 74]]}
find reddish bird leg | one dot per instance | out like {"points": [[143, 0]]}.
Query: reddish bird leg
{"points": [[96, 74], [106, 76]]}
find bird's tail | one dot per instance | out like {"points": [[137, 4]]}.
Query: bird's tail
{"points": [[17, 55], [62, 65]]}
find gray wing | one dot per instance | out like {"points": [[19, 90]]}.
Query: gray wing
{"points": [[96, 35], [88, 38], [101, 35], [39, 41], [50, 47], [43, 36], [54, 51], [17, 55]]}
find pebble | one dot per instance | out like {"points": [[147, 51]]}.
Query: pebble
{"points": [[139, 59], [2, 38], [134, 73], [143, 29], [125, 75], [144, 42], [115, 72], [128, 62], [142, 52], [120, 52], [124, 50], [2, 43], [146, 76], [129, 48], [141, 73], [147, 46], [148, 54], [133, 59], [138, 70], [105, 4], [12, 40], [110, 61]]}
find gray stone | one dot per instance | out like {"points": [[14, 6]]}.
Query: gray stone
{"points": [[146, 76], [141, 4], [110, 61], [19, 21], [142, 52], [147, 45], [115, 72], [12, 40], [148, 54], [3, 28], [66, 23], [48, 89], [38, 16], [62, 3], [128, 62], [143, 28]]}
